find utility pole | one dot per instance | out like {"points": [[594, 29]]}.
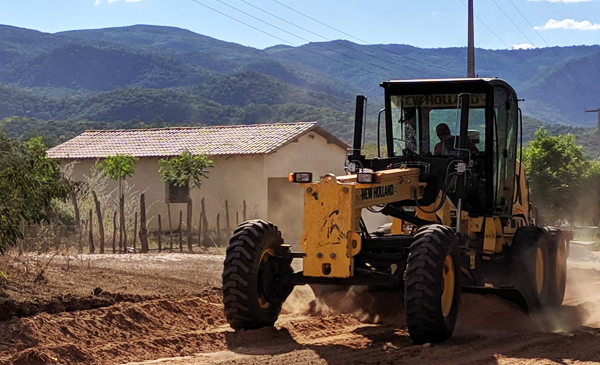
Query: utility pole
{"points": [[595, 111], [471, 44]]}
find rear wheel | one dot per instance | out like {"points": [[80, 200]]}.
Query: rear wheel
{"points": [[531, 266], [557, 257], [255, 274], [432, 284]]}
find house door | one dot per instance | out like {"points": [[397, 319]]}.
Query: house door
{"points": [[285, 208]]}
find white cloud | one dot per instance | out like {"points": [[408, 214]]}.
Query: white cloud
{"points": [[569, 24], [435, 13], [98, 2], [563, 1], [522, 46]]}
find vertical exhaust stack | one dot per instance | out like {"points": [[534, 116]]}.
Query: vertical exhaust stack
{"points": [[471, 43], [358, 127]]}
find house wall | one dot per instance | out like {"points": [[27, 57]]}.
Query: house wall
{"points": [[238, 179]]}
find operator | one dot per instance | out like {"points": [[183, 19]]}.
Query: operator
{"points": [[448, 142]]}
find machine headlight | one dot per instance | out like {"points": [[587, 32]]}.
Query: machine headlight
{"points": [[366, 178], [301, 177]]}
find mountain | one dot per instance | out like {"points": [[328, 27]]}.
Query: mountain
{"points": [[151, 75]]}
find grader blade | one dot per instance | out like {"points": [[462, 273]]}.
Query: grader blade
{"points": [[510, 294]]}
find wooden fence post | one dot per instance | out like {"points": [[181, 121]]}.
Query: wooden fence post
{"points": [[189, 224], [204, 224], [143, 228], [159, 233], [170, 227], [100, 221], [179, 230], [77, 222], [227, 217], [244, 211], [218, 229], [200, 230], [114, 242], [91, 233], [135, 230], [121, 223]]}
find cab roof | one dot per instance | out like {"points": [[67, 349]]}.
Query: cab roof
{"points": [[449, 85]]}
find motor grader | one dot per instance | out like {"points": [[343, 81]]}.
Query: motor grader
{"points": [[447, 173]]}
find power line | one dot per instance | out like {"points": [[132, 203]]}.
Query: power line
{"points": [[513, 23], [488, 28], [318, 35], [246, 24], [361, 40], [320, 22], [281, 39], [306, 40], [538, 33], [532, 27]]}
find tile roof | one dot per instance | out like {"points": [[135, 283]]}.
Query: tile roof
{"points": [[217, 140]]}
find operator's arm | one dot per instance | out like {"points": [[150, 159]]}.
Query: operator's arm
{"points": [[471, 146]]}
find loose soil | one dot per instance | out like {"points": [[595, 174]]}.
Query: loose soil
{"points": [[174, 316]]}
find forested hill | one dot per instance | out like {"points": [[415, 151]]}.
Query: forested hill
{"points": [[149, 75]]}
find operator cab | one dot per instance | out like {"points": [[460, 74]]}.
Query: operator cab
{"points": [[423, 128]]}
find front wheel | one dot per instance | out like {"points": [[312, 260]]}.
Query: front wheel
{"points": [[255, 275], [432, 284]]}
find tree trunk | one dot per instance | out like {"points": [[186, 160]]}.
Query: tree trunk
{"points": [[56, 236], [135, 230], [189, 224], [170, 227], [244, 211], [159, 233], [179, 230], [114, 242], [91, 232], [77, 222], [143, 229], [100, 221], [237, 219]]}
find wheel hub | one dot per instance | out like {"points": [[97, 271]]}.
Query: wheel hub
{"points": [[448, 286], [263, 273]]}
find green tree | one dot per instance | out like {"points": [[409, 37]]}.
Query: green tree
{"points": [[589, 199], [556, 167], [29, 184], [185, 170], [118, 167]]}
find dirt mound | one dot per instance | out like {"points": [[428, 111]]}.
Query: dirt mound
{"points": [[10, 308], [122, 332]]}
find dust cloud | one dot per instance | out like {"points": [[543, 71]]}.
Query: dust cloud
{"points": [[366, 305]]}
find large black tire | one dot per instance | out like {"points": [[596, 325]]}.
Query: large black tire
{"points": [[255, 272], [557, 257], [432, 284], [530, 266]]}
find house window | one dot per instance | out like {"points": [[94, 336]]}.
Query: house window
{"points": [[177, 194]]}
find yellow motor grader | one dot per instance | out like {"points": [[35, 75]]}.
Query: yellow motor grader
{"points": [[450, 180]]}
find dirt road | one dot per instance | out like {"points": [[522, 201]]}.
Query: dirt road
{"points": [[193, 330]]}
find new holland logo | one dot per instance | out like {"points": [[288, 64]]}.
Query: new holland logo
{"points": [[378, 192]]}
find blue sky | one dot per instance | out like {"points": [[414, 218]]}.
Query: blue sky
{"points": [[426, 23]]}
